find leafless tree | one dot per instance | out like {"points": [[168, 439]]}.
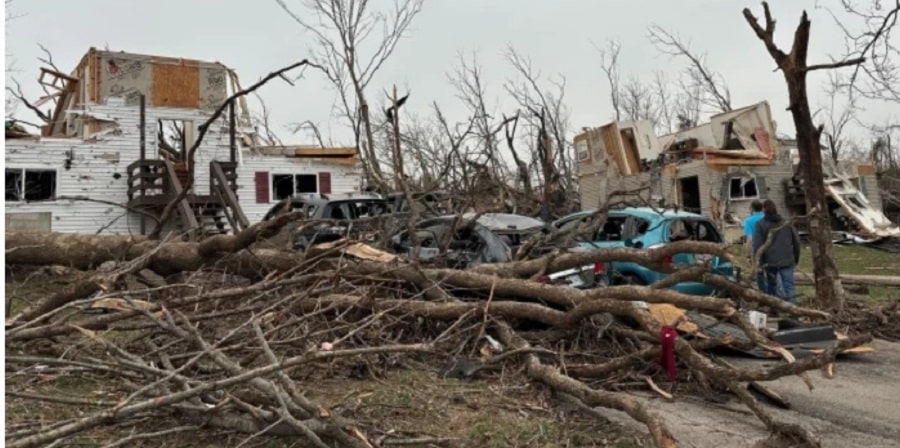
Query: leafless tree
{"points": [[468, 80], [837, 118], [435, 148], [669, 103], [341, 30], [549, 117], [639, 100], [260, 121], [12, 100], [17, 97], [609, 60], [715, 90], [795, 68], [868, 29]]}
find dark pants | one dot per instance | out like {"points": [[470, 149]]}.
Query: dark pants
{"points": [[786, 275], [761, 282]]}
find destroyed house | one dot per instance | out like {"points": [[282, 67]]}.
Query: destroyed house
{"points": [[114, 152], [718, 169]]}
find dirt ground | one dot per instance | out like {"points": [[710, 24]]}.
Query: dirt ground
{"points": [[859, 407]]}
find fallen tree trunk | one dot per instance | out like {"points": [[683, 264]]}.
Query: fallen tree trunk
{"points": [[89, 251], [891, 281]]}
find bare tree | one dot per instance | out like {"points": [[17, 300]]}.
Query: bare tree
{"points": [[12, 100], [17, 97], [670, 104], [837, 117], [472, 91], [609, 60], [795, 68], [341, 29], [435, 150], [549, 117], [868, 32], [716, 93], [639, 100]]}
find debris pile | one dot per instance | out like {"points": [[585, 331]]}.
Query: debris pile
{"points": [[213, 337]]}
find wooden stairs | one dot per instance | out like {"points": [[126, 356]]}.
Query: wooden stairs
{"points": [[153, 184]]}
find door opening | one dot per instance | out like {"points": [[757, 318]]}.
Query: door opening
{"points": [[689, 189]]}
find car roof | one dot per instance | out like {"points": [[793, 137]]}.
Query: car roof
{"points": [[319, 198], [648, 213], [503, 221]]}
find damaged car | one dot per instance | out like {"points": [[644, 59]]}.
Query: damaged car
{"points": [[647, 228], [334, 216], [461, 241]]}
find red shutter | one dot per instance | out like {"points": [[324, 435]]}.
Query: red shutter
{"points": [[262, 187], [325, 183]]}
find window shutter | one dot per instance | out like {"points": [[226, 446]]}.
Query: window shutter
{"points": [[262, 187], [325, 183], [862, 186], [761, 189]]}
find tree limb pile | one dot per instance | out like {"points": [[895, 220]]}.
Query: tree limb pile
{"points": [[238, 335]]}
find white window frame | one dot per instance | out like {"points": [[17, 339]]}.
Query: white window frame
{"points": [[25, 168], [743, 198], [272, 175], [583, 156]]}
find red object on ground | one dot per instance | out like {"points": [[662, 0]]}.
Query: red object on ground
{"points": [[667, 337]]}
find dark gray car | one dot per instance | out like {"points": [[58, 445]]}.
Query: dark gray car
{"points": [[341, 215], [460, 241]]}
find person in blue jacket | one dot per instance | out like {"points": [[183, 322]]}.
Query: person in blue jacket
{"points": [[749, 224]]}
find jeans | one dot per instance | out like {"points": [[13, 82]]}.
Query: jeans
{"points": [[761, 282], [786, 275]]}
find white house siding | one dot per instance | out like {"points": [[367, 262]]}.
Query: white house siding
{"points": [[344, 178], [95, 166]]}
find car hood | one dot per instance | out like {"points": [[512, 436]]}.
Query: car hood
{"points": [[590, 245]]}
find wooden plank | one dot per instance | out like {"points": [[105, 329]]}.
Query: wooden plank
{"points": [[94, 67], [335, 161], [308, 151], [612, 141], [629, 147], [175, 86], [731, 161], [865, 170], [730, 153]]}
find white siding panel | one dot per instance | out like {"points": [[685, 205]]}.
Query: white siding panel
{"points": [[92, 174], [343, 178], [99, 169]]}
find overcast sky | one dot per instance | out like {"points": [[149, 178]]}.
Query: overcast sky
{"points": [[256, 37]]}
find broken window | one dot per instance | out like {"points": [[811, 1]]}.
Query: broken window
{"points": [[285, 185], [25, 184], [583, 150], [743, 188]]}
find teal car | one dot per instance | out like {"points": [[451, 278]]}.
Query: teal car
{"points": [[644, 227]]}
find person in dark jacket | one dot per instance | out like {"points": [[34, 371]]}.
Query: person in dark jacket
{"points": [[780, 257]]}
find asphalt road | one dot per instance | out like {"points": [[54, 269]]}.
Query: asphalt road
{"points": [[859, 407]]}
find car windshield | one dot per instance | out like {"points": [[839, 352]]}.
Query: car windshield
{"points": [[514, 239], [615, 228], [356, 209], [694, 230]]}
